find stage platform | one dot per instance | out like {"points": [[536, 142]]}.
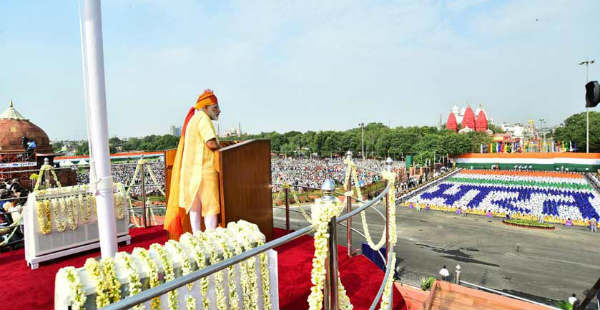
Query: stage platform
{"points": [[34, 289]]}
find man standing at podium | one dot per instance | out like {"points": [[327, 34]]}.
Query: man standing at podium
{"points": [[194, 191]]}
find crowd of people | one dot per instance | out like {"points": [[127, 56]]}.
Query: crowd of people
{"points": [[124, 172], [12, 198], [311, 173]]}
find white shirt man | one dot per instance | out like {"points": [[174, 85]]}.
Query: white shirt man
{"points": [[572, 299], [444, 273]]}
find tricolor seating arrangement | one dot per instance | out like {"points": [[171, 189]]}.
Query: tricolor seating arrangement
{"points": [[556, 197]]}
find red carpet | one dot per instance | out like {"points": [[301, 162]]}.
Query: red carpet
{"points": [[24, 288]]}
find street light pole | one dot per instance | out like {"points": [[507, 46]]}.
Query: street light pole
{"points": [[362, 139], [542, 121], [587, 63]]}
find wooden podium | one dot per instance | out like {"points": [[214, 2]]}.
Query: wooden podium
{"points": [[244, 183]]}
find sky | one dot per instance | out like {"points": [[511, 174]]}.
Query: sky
{"points": [[301, 65]]}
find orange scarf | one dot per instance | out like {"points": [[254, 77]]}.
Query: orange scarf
{"points": [[177, 221]]}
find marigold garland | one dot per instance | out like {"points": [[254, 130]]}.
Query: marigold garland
{"points": [[92, 268], [44, 216], [110, 280]]}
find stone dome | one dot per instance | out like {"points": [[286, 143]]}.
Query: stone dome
{"points": [[14, 127]]}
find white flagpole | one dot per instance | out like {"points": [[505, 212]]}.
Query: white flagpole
{"points": [[98, 125]]}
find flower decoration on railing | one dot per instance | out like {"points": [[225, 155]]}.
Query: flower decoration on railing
{"points": [[322, 212], [145, 269]]}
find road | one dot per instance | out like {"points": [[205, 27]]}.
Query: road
{"points": [[542, 265]]}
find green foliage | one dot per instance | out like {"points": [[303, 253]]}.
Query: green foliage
{"points": [[564, 304], [57, 146], [380, 141], [530, 223], [573, 129], [427, 283], [494, 128], [147, 143]]}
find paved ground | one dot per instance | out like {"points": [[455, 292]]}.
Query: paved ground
{"points": [[537, 264]]}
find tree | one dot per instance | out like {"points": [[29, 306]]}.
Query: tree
{"points": [[573, 129]]}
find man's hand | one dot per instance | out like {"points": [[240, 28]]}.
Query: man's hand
{"points": [[213, 145]]}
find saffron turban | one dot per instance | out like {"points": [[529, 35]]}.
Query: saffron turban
{"points": [[207, 98]]}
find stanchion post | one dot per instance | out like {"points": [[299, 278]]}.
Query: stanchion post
{"points": [[143, 189], [458, 274], [349, 227], [387, 225], [388, 166], [330, 296], [332, 270], [286, 190]]}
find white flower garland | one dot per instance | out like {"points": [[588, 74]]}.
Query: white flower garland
{"points": [[363, 217], [118, 200], [84, 208], [209, 241], [60, 221], [390, 177], [245, 273], [266, 280], [133, 277], [72, 214], [152, 272], [250, 284], [70, 275], [186, 268], [322, 212], [227, 254], [169, 273], [197, 249], [387, 290]]}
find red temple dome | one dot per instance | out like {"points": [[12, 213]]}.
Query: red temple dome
{"points": [[468, 120], [481, 124], [451, 124]]}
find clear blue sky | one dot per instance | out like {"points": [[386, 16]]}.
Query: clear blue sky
{"points": [[301, 65]]}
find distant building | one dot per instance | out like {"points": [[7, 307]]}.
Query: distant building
{"points": [[469, 120], [176, 131]]}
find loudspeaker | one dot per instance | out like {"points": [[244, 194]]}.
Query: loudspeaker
{"points": [[592, 94]]}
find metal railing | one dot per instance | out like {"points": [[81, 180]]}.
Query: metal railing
{"points": [[331, 298]]}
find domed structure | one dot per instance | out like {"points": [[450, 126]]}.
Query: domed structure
{"points": [[451, 124], [15, 127], [468, 120]]}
